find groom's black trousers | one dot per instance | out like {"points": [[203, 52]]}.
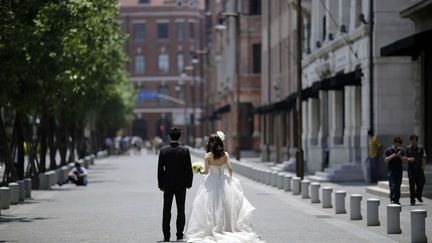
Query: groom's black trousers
{"points": [[180, 196]]}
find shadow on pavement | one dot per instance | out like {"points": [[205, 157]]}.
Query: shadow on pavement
{"points": [[9, 219]]}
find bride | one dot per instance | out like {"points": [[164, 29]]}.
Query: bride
{"points": [[220, 212]]}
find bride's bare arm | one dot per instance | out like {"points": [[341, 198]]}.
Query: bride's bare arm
{"points": [[230, 170], [206, 167]]}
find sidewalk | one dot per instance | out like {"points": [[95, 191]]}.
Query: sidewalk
{"points": [[360, 188]]}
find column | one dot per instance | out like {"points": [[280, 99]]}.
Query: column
{"points": [[336, 104], [314, 120], [349, 113], [324, 119]]}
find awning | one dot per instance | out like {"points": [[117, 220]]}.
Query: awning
{"points": [[338, 81], [409, 46], [218, 112]]}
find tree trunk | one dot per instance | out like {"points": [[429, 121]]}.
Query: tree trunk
{"points": [[43, 143], [19, 133], [72, 142], [62, 140], [51, 143], [5, 155]]}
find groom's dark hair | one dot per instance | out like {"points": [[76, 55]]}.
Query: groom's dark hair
{"points": [[175, 133]]}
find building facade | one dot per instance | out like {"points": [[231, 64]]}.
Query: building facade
{"points": [[277, 110], [164, 36], [234, 47], [350, 87]]}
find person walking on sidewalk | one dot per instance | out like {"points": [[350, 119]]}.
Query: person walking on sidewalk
{"points": [[416, 157], [394, 156], [374, 146]]}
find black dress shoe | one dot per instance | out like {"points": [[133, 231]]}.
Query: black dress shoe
{"points": [[166, 239], [412, 202], [420, 199]]}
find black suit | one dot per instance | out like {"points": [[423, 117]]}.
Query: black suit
{"points": [[174, 176]]}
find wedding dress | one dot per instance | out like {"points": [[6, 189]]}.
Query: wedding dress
{"points": [[220, 212]]}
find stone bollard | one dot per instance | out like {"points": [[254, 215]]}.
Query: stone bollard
{"points": [[305, 188], [393, 219], [418, 227], [355, 208], [43, 181], [268, 177], [28, 187], [281, 180], [326, 197], [65, 172], [287, 182], [87, 162], [274, 178], [295, 185], [340, 202], [21, 190], [4, 197], [51, 178], [92, 159], [14, 193], [60, 175], [372, 214], [314, 189]]}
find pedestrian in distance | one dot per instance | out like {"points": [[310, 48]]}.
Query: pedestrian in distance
{"points": [[416, 157], [394, 156], [78, 175], [373, 152], [174, 177]]}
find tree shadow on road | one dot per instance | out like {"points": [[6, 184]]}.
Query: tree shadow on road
{"points": [[10, 219]]}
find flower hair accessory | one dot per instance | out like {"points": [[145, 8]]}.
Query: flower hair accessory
{"points": [[221, 135]]}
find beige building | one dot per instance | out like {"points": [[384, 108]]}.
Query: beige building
{"points": [[223, 112], [278, 81]]}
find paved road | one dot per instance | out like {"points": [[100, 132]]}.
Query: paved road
{"points": [[122, 204]]}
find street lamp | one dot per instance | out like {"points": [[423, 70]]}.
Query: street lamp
{"points": [[183, 77], [203, 77], [192, 99], [299, 154], [221, 27]]}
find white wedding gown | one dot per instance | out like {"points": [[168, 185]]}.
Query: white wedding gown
{"points": [[220, 212]]}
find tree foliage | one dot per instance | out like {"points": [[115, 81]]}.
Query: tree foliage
{"points": [[61, 63]]}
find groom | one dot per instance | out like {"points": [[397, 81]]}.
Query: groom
{"points": [[174, 176]]}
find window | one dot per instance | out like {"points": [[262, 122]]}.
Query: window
{"points": [[255, 7], [163, 30], [139, 31], [144, 1], [256, 58], [139, 63], [191, 30], [180, 62], [163, 62], [180, 30]]}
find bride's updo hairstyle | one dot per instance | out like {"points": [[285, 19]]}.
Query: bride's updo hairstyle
{"points": [[216, 146]]}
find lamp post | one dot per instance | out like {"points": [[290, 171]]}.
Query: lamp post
{"points": [[186, 104], [203, 67], [192, 100], [221, 27], [299, 154], [194, 62]]}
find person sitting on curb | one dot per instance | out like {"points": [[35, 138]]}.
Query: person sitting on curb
{"points": [[78, 176]]}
